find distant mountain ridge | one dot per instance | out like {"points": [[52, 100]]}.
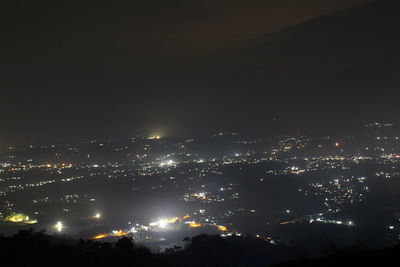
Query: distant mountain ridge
{"points": [[356, 34], [336, 63]]}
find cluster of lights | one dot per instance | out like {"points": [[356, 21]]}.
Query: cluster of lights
{"points": [[167, 163]]}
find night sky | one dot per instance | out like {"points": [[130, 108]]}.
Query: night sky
{"points": [[72, 70]]}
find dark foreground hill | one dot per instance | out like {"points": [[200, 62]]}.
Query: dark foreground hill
{"points": [[351, 257], [28, 248]]}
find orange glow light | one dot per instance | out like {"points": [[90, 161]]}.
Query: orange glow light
{"points": [[222, 228], [100, 236]]}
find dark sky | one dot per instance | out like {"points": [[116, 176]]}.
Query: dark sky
{"points": [[76, 69]]}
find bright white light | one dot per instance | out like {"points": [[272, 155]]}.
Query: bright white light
{"points": [[162, 223], [59, 226], [97, 216]]}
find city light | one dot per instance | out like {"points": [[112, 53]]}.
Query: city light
{"points": [[100, 236], [167, 163], [59, 226], [162, 223], [209, 191], [222, 228], [194, 224], [155, 137]]}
